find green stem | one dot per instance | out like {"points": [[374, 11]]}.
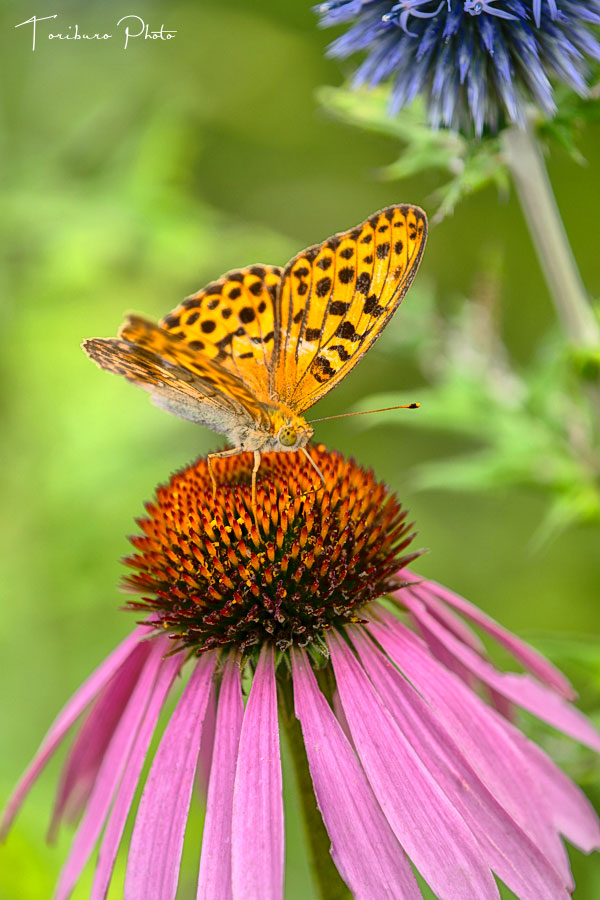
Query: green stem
{"points": [[327, 878], [549, 236]]}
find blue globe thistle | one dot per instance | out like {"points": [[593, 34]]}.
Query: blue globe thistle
{"points": [[477, 62]]}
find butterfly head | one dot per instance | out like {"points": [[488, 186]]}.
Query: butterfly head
{"points": [[291, 432]]}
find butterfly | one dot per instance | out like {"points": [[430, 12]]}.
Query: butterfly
{"points": [[248, 355]]}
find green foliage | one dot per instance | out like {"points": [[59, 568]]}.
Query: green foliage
{"points": [[573, 114], [468, 165], [528, 427]]}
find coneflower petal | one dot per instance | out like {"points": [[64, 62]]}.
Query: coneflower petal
{"points": [[88, 749], [157, 841], [363, 846], [118, 816], [521, 690], [419, 813], [480, 734], [109, 774], [69, 714], [207, 744], [541, 667], [507, 849], [214, 879], [257, 830], [569, 809]]}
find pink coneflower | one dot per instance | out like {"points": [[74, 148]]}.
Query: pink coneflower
{"points": [[386, 695]]}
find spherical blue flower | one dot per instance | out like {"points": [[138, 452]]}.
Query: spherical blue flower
{"points": [[477, 62]]}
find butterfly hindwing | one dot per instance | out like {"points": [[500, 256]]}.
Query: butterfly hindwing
{"points": [[203, 393], [233, 321], [336, 298]]}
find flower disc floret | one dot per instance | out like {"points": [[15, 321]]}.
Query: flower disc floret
{"points": [[212, 578]]}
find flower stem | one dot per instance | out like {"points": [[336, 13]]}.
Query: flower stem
{"points": [[327, 878], [549, 236]]}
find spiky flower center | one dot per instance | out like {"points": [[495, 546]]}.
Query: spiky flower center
{"points": [[211, 577]]}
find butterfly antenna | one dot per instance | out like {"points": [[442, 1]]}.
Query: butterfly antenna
{"points": [[367, 412]]}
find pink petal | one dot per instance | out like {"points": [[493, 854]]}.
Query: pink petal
{"points": [[65, 719], [480, 734], [88, 748], [109, 774], [522, 690], [364, 848], [214, 879], [507, 849], [573, 814], [427, 825], [445, 616], [116, 824], [541, 667], [206, 745], [257, 844], [157, 841]]}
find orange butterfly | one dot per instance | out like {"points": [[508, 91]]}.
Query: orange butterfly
{"points": [[248, 354]]}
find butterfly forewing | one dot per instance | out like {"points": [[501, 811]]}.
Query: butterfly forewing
{"points": [[336, 298], [233, 321]]}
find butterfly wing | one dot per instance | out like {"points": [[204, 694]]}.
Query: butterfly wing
{"points": [[177, 380], [337, 297], [263, 334], [232, 321]]}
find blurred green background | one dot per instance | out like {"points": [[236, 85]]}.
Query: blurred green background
{"points": [[130, 179]]}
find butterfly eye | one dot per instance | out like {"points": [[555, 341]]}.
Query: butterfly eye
{"points": [[287, 436]]}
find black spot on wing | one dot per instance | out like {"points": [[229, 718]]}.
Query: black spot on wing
{"points": [[338, 308], [372, 307], [323, 286], [247, 315], [363, 283], [346, 330], [341, 352], [322, 369]]}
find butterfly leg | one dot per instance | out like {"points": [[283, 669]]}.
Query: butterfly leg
{"points": [[317, 470], [221, 455]]}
